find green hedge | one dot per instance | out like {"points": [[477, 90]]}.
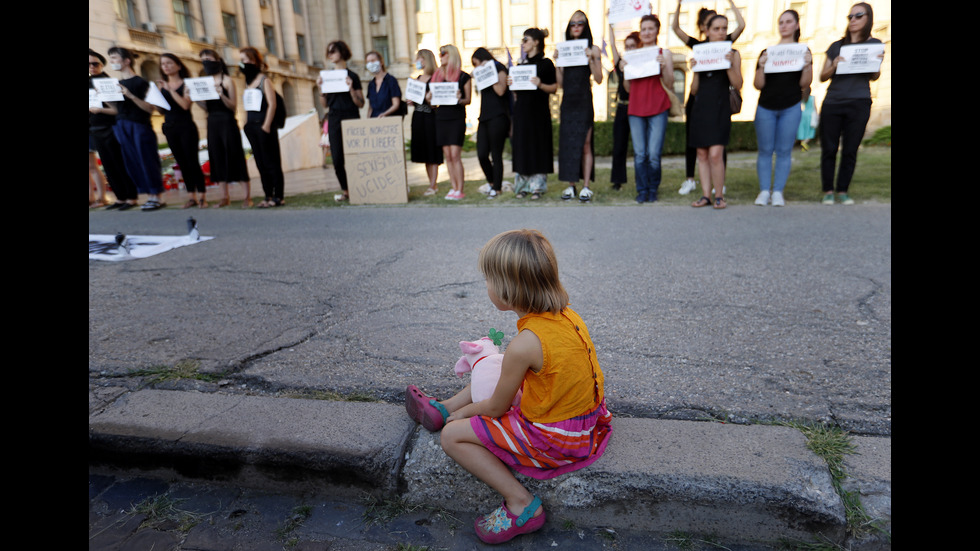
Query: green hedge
{"points": [[742, 138]]}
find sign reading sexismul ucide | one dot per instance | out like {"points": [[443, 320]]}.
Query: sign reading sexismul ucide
{"points": [[374, 155]]}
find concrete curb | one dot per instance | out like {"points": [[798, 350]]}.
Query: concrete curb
{"points": [[737, 483]]}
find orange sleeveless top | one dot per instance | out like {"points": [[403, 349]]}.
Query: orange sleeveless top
{"points": [[570, 382]]}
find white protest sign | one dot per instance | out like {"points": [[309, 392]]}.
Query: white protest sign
{"points": [[334, 81], [444, 93], [641, 62], [201, 88], [486, 75], [415, 90], [860, 58], [710, 56], [571, 53], [624, 10], [252, 99], [93, 98], [155, 97], [785, 58], [108, 89], [521, 75]]}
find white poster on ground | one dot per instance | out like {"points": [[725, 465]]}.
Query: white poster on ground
{"points": [[104, 247]]}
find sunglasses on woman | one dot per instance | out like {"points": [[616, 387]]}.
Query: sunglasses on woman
{"points": [[578, 23], [858, 15]]}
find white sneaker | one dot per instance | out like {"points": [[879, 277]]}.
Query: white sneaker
{"points": [[687, 186], [777, 199], [568, 193], [492, 194], [763, 198], [485, 188], [586, 195]]}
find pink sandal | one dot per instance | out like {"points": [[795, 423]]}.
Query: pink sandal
{"points": [[502, 525], [425, 409]]}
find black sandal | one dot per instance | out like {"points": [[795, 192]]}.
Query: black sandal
{"points": [[522, 195], [535, 196], [702, 202]]}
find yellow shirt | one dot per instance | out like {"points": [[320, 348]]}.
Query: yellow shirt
{"points": [[570, 382]]}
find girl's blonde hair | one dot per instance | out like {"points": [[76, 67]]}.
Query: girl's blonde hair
{"points": [[449, 72], [521, 268], [428, 61]]}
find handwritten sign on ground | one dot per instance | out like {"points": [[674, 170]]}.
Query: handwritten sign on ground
{"points": [[521, 75], [374, 155], [860, 58], [641, 62], [785, 58], [710, 56]]}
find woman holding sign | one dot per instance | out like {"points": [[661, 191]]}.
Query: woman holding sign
{"points": [[711, 116], [180, 129], [341, 106], [133, 129], [451, 117], [225, 151], [491, 135], [260, 100], [576, 155], [531, 141], [384, 94], [424, 147], [648, 111], [621, 122], [778, 114], [846, 107]]}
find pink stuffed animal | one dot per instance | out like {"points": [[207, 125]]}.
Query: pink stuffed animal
{"points": [[484, 359]]}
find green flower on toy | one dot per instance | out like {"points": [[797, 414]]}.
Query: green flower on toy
{"points": [[496, 336]]}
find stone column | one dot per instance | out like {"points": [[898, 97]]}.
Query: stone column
{"points": [[287, 25], [214, 25], [161, 14], [253, 34]]}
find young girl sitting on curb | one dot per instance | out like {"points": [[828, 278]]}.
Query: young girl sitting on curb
{"points": [[562, 423]]}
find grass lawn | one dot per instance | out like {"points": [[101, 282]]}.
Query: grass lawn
{"points": [[871, 183]]}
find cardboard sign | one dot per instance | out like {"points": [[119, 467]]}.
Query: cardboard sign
{"points": [[444, 93], [785, 58], [108, 89], [860, 58], [571, 53], [374, 155], [415, 90], [201, 88], [334, 81], [521, 75], [641, 62], [485, 75], [624, 10], [710, 56]]}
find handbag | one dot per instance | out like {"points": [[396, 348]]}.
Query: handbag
{"points": [[676, 109], [736, 100]]}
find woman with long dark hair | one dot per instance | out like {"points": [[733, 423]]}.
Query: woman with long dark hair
{"points": [[621, 122], [777, 116], [531, 140], [846, 107], [179, 128], [491, 135], [576, 154], [261, 135], [134, 132], [225, 151], [341, 106], [425, 149], [103, 140]]}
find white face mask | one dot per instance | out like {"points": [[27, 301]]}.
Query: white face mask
{"points": [[374, 66], [115, 66], [418, 64]]}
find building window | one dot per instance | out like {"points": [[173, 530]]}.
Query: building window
{"points": [[377, 8], [270, 39], [298, 7], [301, 44], [520, 2], [472, 38], [182, 17], [679, 84], [427, 41], [231, 28], [517, 33], [380, 44], [424, 6], [470, 4], [126, 11]]}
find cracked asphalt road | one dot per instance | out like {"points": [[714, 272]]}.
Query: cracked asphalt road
{"points": [[747, 313]]}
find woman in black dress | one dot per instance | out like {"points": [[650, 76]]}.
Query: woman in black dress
{"points": [[341, 106], [621, 122], [424, 147], [711, 117], [491, 135], [262, 136], [179, 128], [451, 119], [576, 157], [531, 141], [225, 151]]}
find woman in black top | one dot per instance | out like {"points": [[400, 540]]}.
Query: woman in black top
{"points": [[134, 132], [531, 139], [263, 138], [179, 128], [341, 106], [846, 107], [225, 151], [425, 149], [491, 135], [621, 120], [102, 139]]}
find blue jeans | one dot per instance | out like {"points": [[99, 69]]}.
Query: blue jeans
{"points": [[775, 132], [648, 142]]}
